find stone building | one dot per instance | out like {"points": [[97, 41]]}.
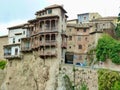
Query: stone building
{"points": [[86, 17], [12, 49], [3, 41], [84, 35], [45, 35]]}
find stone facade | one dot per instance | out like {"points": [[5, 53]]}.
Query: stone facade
{"points": [[3, 41]]}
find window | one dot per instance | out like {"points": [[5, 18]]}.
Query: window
{"points": [[23, 32], [79, 38], [70, 37], [84, 30], [40, 38], [53, 37], [93, 17], [84, 18], [49, 11], [18, 40], [69, 47], [86, 38], [13, 40], [80, 47], [16, 51]]}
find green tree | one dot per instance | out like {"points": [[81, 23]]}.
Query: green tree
{"points": [[117, 29]]}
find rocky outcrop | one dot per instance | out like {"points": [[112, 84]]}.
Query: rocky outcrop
{"points": [[33, 73]]}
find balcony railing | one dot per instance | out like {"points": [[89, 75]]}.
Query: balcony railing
{"points": [[9, 56], [48, 43], [25, 49], [48, 53]]}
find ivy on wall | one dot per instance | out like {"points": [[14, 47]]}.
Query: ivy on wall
{"points": [[108, 48]]}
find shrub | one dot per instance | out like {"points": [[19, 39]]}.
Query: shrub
{"points": [[2, 64]]}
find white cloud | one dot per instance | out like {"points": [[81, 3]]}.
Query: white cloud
{"points": [[4, 26]]}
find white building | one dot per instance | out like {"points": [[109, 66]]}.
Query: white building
{"points": [[12, 50]]}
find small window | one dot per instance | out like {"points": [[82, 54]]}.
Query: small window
{"points": [[70, 37], [49, 11], [13, 40], [86, 38], [79, 38], [18, 40], [69, 47], [16, 51], [80, 47], [23, 32], [40, 38], [84, 18], [84, 30]]}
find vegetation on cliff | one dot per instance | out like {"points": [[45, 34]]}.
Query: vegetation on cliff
{"points": [[2, 64], [117, 29], [108, 80], [108, 48]]}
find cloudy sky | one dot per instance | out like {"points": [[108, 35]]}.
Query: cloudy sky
{"points": [[13, 12]]}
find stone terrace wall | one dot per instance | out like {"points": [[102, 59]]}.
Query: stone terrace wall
{"points": [[89, 76]]}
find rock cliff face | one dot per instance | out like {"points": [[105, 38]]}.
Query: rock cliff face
{"points": [[30, 73], [33, 73]]}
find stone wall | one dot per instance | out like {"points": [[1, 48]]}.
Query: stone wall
{"points": [[87, 75], [3, 41], [33, 73]]}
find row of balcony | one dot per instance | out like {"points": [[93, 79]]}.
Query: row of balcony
{"points": [[37, 44], [42, 30], [8, 55], [46, 53]]}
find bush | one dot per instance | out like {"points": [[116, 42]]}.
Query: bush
{"points": [[83, 86], [2, 64], [108, 48], [108, 80]]}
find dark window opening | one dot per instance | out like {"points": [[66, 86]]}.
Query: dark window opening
{"points": [[80, 47], [84, 30], [47, 38], [49, 11], [70, 47], [13, 40], [70, 37], [16, 51], [53, 37], [18, 40], [40, 38]]}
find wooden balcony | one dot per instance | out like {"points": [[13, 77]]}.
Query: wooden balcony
{"points": [[9, 56], [49, 53], [45, 30], [64, 45], [48, 43], [25, 49]]}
